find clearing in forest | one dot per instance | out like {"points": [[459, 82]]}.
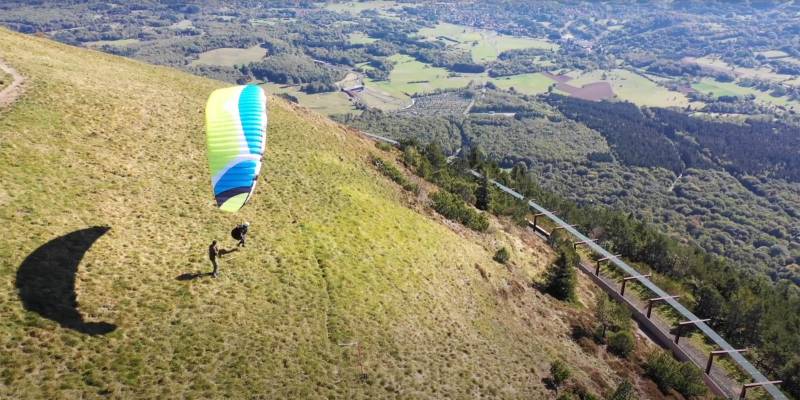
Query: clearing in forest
{"points": [[717, 89], [360, 38], [229, 57], [534, 83]]}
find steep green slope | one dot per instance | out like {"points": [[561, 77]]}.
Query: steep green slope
{"points": [[336, 256]]}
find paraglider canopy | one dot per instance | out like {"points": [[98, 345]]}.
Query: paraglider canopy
{"points": [[236, 134]]}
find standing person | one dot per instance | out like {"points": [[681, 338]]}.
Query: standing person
{"points": [[213, 252], [239, 233]]}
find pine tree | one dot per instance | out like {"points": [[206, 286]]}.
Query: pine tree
{"points": [[483, 195], [561, 278], [476, 157], [603, 313]]}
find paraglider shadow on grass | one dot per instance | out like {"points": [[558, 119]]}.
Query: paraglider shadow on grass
{"points": [[46, 280]]}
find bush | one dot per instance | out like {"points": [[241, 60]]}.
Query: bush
{"points": [[559, 373], [621, 343], [319, 87], [383, 146], [610, 315], [390, 171], [452, 207], [691, 381], [502, 256], [624, 391], [288, 97], [669, 373], [580, 392]]}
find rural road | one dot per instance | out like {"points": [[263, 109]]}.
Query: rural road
{"points": [[472, 102], [675, 182], [12, 92]]}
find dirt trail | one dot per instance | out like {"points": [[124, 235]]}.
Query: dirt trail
{"points": [[12, 92]]}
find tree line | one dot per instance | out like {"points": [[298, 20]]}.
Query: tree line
{"points": [[748, 310], [673, 140]]}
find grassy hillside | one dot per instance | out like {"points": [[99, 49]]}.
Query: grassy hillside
{"points": [[5, 79], [337, 255]]}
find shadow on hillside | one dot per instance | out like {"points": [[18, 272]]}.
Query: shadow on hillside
{"points": [[46, 280], [192, 276]]}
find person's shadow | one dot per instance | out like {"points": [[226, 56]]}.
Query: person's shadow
{"points": [[46, 280], [190, 276]]}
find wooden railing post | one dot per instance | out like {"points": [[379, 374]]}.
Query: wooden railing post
{"points": [[755, 384], [720, 352], [680, 326], [655, 299], [625, 281]]}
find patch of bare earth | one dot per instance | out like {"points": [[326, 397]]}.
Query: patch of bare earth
{"points": [[594, 91], [13, 91]]}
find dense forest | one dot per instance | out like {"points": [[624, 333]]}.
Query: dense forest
{"points": [[673, 140], [636, 140], [294, 69]]}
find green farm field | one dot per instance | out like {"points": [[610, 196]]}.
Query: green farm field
{"points": [[717, 89], [773, 54], [272, 21], [740, 72], [115, 43], [484, 45], [526, 83], [228, 57], [360, 38], [356, 7], [637, 89], [324, 103], [410, 76]]}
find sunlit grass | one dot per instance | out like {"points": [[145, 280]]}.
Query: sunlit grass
{"points": [[484, 45], [717, 89], [337, 254], [410, 76], [360, 38], [329, 103], [116, 43], [5, 79], [535, 83], [356, 7], [637, 89]]}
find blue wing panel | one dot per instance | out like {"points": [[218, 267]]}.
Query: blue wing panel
{"points": [[253, 116], [243, 174]]}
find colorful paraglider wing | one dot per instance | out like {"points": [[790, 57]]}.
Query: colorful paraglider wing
{"points": [[236, 133]]}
